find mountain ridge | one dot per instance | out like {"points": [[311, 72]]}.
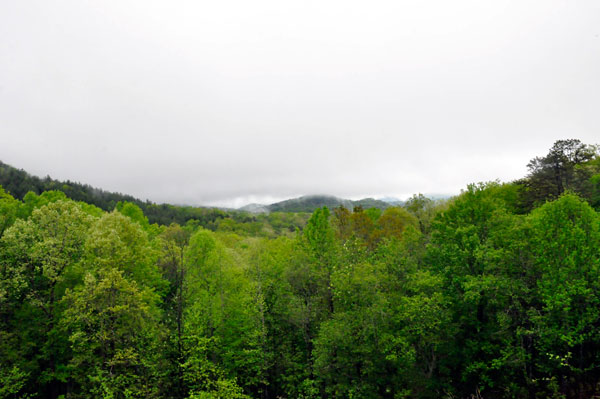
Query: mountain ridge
{"points": [[18, 183], [308, 203]]}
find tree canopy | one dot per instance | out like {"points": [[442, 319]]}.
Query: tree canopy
{"points": [[494, 293]]}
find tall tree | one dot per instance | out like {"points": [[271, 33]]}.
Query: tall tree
{"points": [[40, 258], [223, 318], [566, 249], [115, 241], [561, 169], [468, 250], [112, 325], [174, 241]]}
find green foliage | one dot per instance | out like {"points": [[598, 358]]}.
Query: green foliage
{"points": [[12, 381], [468, 248], [493, 294], [39, 261], [224, 389], [310, 203], [319, 235], [135, 213], [33, 201], [569, 165], [8, 210], [117, 242], [594, 184], [566, 243], [393, 221], [224, 307], [112, 326]]}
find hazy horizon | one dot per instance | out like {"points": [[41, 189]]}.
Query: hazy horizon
{"points": [[229, 103], [262, 200]]}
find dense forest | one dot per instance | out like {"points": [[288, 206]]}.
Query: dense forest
{"points": [[494, 293]]}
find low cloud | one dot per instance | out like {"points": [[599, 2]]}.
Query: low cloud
{"points": [[226, 102]]}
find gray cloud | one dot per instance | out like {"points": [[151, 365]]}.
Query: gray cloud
{"points": [[234, 101]]}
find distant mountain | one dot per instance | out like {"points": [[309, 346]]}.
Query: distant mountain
{"points": [[255, 208], [392, 201], [398, 202], [367, 203], [309, 203], [437, 197], [18, 182]]}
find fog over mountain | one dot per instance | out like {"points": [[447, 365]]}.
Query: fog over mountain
{"points": [[235, 102]]}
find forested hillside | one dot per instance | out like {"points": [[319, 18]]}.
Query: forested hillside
{"points": [[492, 294], [23, 186], [309, 203]]}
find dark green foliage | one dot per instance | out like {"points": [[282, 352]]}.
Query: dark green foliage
{"points": [[310, 203], [113, 330], [19, 183], [570, 165], [370, 203]]}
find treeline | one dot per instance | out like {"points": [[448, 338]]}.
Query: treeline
{"points": [[309, 203], [492, 294], [19, 183], [34, 191]]}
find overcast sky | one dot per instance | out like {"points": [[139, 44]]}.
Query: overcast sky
{"points": [[229, 102]]}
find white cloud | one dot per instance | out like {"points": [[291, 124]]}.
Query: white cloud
{"points": [[223, 102]]}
